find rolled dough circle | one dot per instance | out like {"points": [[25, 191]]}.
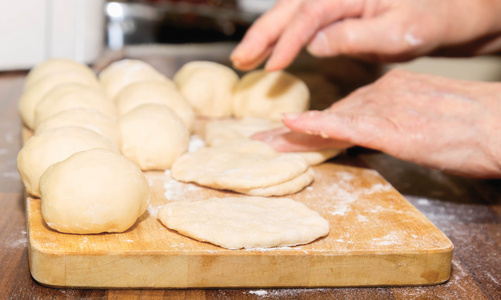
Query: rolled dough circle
{"points": [[83, 117], [245, 222], [268, 95], [93, 191], [241, 164], [155, 92], [208, 87], [69, 96], [153, 136], [121, 73], [52, 146]]}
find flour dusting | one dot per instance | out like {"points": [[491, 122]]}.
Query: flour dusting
{"points": [[259, 292]]}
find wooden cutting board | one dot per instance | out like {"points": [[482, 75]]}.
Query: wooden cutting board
{"points": [[376, 238]]}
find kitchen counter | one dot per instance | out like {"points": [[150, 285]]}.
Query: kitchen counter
{"points": [[467, 210]]}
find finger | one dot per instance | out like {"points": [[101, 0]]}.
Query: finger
{"points": [[375, 38], [310, 17], [246, 65], [256, 45], [364, 130]]}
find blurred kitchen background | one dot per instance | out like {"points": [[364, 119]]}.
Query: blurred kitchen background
{"points": [[97, 31]]}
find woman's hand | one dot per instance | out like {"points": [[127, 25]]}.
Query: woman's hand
{"points": [[377, 30], [437, 122]]}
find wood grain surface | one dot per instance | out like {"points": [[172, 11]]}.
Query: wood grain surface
{"points": [[376, 238], [467, 210]]}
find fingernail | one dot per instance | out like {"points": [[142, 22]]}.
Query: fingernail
{"points": [[291, 116], [319, 45]]}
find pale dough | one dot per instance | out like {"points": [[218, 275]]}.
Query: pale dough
{"points": [[52, 146], [245, 222], [268, 95], [240, 165], [34, 93], [83, 117], [208, 87], [69, 96], [285, 188], [121, 73], [57, 65], [156, 92], [93, 191], [218, 132], [153, 136]]}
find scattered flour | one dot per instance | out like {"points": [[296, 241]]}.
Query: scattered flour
{"points": [[259, 292], [153, 210], [195, 143]]}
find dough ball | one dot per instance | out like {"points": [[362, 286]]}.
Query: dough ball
{"points": [[56, 65], [208, 87], [238, 165], [93, 191], [69, 96], [83, 117], [245, 222], [121, 73], [218, 132], [52, 146], [268, 95], [156, 92], [153, 136], [32, 95]]}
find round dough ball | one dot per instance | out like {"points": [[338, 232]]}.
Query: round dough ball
{"points": [[268, 95], [54, 65], [208, 87], [156, 92], [69, 96], [153, 136], [52, 146], [32, 95], [93, 191], [83, 117], [124, 72]]}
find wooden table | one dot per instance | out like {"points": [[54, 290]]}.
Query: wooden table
{"points": [[468, 211]]}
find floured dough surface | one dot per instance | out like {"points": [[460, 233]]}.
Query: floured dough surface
{"points": [[292, 186], [245, 222], [218, 132], [241, 164]]}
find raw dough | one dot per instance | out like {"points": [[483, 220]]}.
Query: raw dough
{"points": [[93, 191], [83, 117], [121, 73], [238, 165], [32, 95], [57, 65], [245, 222], [268, 95], [153, 136], [285, 188], [52, 146], [208, 87], [218, 132], [69, 96], [156, 92]]}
